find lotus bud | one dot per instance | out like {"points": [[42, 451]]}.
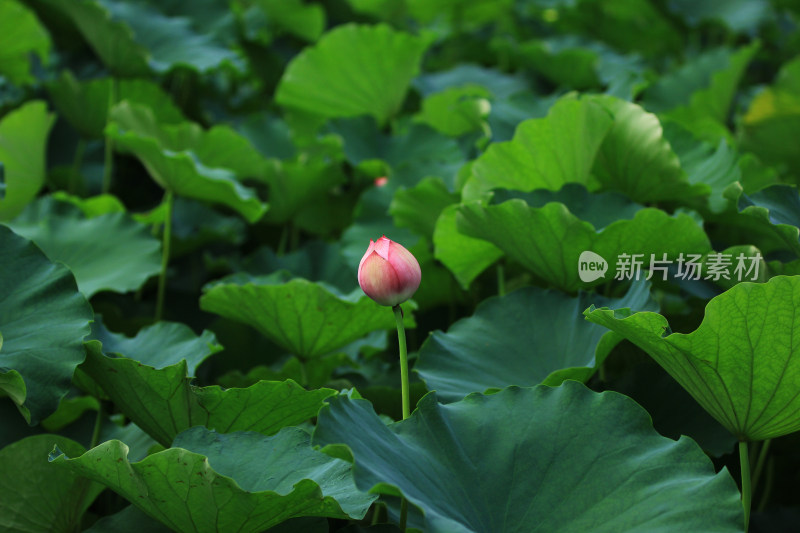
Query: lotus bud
{"points": [[388, 273]]}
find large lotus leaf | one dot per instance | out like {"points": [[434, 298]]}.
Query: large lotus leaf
{"points": [[381, 63], [182, 170], [197, 224], [457, 111], [738, 15], [413, 153], [545, 153], [466, 257], [134, 39], [774, 212], [23, 141], [93, 206], [21, 34], [132, 520], [636, 159], [163, 402], [499, 84], [296, 185], [717, 168], [240, 482], [536, 459], [86, 104], [36, 499], [112, 40], [44, 320], [566, 61], [419, 207], [462, 14], [70, 410], [264, 17], [218, 147], [599, 209], [675, 88], [160, 345], [128, 520], [314, 261], [526, 337], [773, 120], [170, 41], [302, 317], [740, 364], [706, 115], [549, 240], [106, 252]]}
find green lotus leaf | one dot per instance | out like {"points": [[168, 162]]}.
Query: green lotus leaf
{"points": [[769, 217], [112, 40], [93, 206], [21, 34], [70, 410], [264, 17], [218, 147], [381, 64], [600, 209], [466, 257], [636, 159], [163, 402], [499, 84], [314, 261], [527, 337], [304, 318], [718, 168], [412, 154], [714, 74], [107, 252], [44, 320], [706, 114], [738, 15], [464, 14], [419, 207], [545, 153], [189, 161], [170, 41], [773, 120], [36, 499], [457, 111], [565, 61], [23, 143], [549, 240], [739, 364], [575, 461], [128, 520], [135, 39], [85, 104], [239, 482], [160, 345], [294, 186]]}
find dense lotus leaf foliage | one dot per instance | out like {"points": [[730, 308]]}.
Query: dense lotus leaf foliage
{"points": [[601, 195]]}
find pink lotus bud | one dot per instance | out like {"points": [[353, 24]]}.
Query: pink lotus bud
{"points": [[388, 273]]}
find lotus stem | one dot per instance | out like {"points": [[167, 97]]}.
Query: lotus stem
{"points": [[744, 461], [166, 237], [108, 154], [401, 340], [762, 457], [404, 392], [501, 280]]}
